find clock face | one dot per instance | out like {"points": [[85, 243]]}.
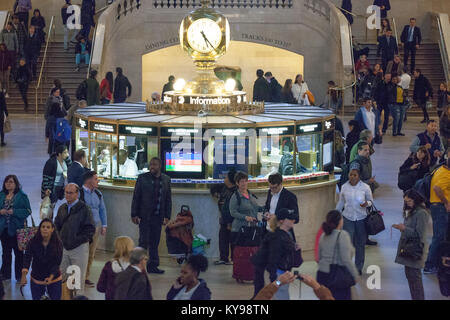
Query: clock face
{"points": [[204, 35]]}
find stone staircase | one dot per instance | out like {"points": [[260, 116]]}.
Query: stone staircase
{"points": [[60, 64]]}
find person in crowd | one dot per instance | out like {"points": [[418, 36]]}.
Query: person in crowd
{"points": [[333, 99], [76, 228], [261, 90], [387, 46], [87, 17], [346, 8], [8, 38], [168, 86], [93, 89], [22, 8], [38, 22], [64, 16], [444, 127], [276, 251], [443, 98], [381, 96], [225, 220], [63, 94], [385, 25], [121, 84], [247, 211], [6, 64], [423, 91], [133, 283], [354, 198], [150, 209], [299, 89], [120, 262], [358, 50], [415, 168], [279, 197], [77, 169], [352, 137], [54, 98], [21, 33], [32, 50], [362, 62], [50, 127], [377, 69], [396, 102], [365, 82], [55, 174], [3, 116], [286, 93], [44, 255], [431, 140], [414, 225], [395, 67], [411, 38], [332, 239], [274, 87], [106, 87], [15, 209], [364, 164], [70, 114], [23, 79], [155, 97], [369, 117], [82, 52], [384, 5], [364, 136], [188, 285], [405, 82], [267, 293], [440, 207], [90, 194]]}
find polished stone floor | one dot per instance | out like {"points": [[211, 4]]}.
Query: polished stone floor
{"points": [[25, 156]]}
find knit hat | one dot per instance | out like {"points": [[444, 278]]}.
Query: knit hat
{"points": [[230, 174], [355, 165], [285, 213]]}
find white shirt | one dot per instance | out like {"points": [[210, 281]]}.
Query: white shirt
{"points": [[298, 91], [274, 202], [369, 119], [350, 199], [405, 81], [183, 295]]}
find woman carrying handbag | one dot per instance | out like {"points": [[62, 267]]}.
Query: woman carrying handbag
{"points": [[336, 268], [3, 119], [411, 247]]}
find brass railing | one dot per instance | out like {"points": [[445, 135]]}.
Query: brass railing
{"points": [[443, 49], [50, 33]]}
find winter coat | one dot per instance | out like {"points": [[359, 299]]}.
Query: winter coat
{"points": [[288, 97], [248, 207], [49, 173], [421, 171], [44, 261], [78, 48], [275, 90], [21, 35], [444, 126], [386, 4], [365, 168], [106, 282], [93, 92], [38, 22], [21, 210], [23, 75], [261, 90], [359, 117], [33, 45], [5, 60], [132, 285], [9, 38], [87, 12], [224, 204], [421, 86], [442, 99], [121, 84], [350, 140], [201, 293]]}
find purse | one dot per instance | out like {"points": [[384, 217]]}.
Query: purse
{"points": [[297, 258], [7, 125], [374, 221], [339, 276], [26, 234], [249, 236], [411, 248]]}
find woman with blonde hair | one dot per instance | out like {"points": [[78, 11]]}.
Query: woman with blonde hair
{"points": [[121, 260]]}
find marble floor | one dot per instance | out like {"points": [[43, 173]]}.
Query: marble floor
{"points": [[25, 155]]}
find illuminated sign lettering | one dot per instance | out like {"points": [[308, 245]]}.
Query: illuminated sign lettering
{"points": [[82, 123], [309, 128], [218, 100], [231, 132], [103, 127], [127, 129], [275, 131]]}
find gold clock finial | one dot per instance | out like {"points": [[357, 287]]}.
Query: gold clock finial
{"points": [[205, 3]]}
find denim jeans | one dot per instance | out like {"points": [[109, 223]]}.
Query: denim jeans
{"points": [[358, 235], [80, 56], [66, 36], [54, 290], [440, 224], [283, 291], [398, 114]]}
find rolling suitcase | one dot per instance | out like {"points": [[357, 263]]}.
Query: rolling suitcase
{"points": [[243, 269]]}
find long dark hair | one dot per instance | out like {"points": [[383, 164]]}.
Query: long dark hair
{"points": [[416, 197], [332, 221], [16, 181], [110, 78], [287, 86], [55, 242], [426, 160]]}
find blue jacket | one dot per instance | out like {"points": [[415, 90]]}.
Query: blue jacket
{"points": [[360, 119], [75, 174], [21, 211], [201, 293]]}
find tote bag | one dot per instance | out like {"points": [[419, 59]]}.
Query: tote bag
{"points": [[25, 234], [339, 276]]}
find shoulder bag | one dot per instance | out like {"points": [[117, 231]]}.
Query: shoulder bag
{"points": [[374, 221], [26, 234], [411, 248], [339, 276]]}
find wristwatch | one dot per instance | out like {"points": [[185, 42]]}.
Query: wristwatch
{"points": [[278, 283]]}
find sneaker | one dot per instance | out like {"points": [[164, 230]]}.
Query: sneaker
{"points": [[430, 270], [219, 262], [401, 134], [229, 263], [371, 243], [423, 121], [155, 270], [89, 283]]}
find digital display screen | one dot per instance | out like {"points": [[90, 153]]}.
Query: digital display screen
{"points": [[327, 153], [183, 162]]}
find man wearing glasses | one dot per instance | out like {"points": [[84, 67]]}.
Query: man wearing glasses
{"points": [[75, 226]]}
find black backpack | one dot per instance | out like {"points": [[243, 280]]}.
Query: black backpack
{"points": [[344, 174], [81, 93], [99, 195]]}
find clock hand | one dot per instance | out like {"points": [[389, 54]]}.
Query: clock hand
{"points": [[206, 40]]}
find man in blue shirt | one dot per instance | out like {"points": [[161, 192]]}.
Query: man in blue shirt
{"points": [[93, 198], [411, 38]]}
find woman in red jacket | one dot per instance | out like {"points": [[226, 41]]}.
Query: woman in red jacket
{"points": [[106, 87]]}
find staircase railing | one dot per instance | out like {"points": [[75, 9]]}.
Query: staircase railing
{"points": [[92, 51], [443, 38], [4, 18], [50, 34]]}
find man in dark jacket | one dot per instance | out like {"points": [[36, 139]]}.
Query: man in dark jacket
{"points": [[422, 92], [87, 17], [274, 87], [32, 50], [92, 89], [431, 140], [261, 91], [5, 67], [133, 283], [411, 38], [382, 94], [150, 209], [388, 48], [78, 168], [75, 226], [168, 86], [121, 84], [21, 33], [64, 17], [384, 5]]}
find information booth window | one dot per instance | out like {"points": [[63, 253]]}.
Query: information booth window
{"points": [[329, 147], [82, 135], [309, 147], [137, 145], [103, 148]]}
